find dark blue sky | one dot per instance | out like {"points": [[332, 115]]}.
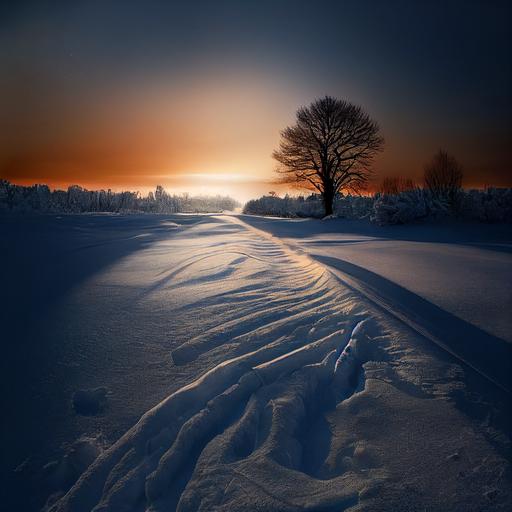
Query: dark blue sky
{"points": [[434, 74]]}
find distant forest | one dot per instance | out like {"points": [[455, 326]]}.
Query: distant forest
{"points": [[39, 198], [396, 203]]}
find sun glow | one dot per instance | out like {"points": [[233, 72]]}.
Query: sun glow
{"points": [[239, 185], [218, 177]]}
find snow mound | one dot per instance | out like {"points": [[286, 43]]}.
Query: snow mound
{"points": [[258, 401]]}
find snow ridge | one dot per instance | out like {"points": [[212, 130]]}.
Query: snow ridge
{"points": [[146, 463], [294, 337]]}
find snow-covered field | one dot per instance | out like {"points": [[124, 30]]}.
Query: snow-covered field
{"points": [[277, 365], [452, 279]]}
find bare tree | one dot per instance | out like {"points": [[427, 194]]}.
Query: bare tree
{"points": [[394, 185], [443, 176], [329, 148]]}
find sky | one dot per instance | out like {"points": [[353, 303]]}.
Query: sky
{"points": [[193, 95]]}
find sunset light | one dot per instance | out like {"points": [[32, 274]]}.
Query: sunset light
{"points": [[217, 107], [256, 255]]}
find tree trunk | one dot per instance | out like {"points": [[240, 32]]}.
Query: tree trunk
{"points": [[328, 198]]}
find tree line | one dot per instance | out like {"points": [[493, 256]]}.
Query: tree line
{"points": [[406, 206], [39, 198]]}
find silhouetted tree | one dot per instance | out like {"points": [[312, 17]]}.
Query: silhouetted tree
{"points": [[329, 148], [443, 176], [395, 185]]}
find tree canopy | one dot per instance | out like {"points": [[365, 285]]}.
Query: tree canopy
{"points": [[329, 148]]}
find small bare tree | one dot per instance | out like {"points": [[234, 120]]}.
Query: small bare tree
{"points": [[443, 176], [394, 185], [329, 148]]}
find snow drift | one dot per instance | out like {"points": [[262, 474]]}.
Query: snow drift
{"points": [[309, 398]]}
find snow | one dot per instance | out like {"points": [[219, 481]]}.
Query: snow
{"points": [[90, 401], [249, 366], [78, 456], [452, 279]]}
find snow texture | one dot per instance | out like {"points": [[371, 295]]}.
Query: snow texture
{"points": [[293, 386], [90, 401]]}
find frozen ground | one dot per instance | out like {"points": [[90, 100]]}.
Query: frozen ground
{"points": [[276, 375]]}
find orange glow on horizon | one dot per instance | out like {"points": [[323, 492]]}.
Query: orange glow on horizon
{"points": [[206, 134]]}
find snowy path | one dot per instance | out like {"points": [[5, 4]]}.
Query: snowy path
{"points": [[270, 384]]}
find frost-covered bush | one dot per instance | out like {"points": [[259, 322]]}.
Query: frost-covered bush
{"points": [[39, 198], [415, 205], [286, 206], [491, 205], [408, 206], [353, 207], [350, 207]]}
